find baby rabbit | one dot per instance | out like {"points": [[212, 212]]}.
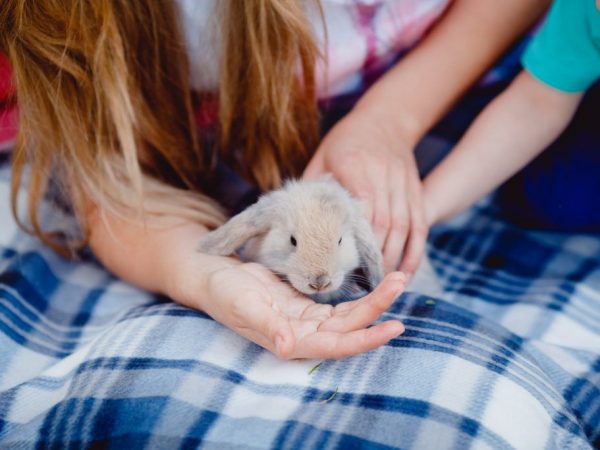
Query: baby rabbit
{"points": [[310, 233]]}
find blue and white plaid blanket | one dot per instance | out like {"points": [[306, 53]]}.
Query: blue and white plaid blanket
{"points": [[507, 357]]}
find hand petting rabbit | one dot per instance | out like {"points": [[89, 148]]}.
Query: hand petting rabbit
{"points": [[312, 234], [374, 160]]}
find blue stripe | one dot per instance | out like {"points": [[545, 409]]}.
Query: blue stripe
{"points": [[195, 435]]}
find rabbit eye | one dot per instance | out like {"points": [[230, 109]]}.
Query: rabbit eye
{"points": [[340, 241], [293, 241]]}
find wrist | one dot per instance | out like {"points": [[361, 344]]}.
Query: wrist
{"points": [[179, 283], [399, 125], [188, 281], [185, 271]]}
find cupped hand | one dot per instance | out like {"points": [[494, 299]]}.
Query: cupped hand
{"points": [[373, 162], [253, 302]]}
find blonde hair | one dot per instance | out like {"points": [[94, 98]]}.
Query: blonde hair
{"points": [[106, 111]]}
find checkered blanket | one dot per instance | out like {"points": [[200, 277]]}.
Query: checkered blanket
{"points": [[507, 357]]}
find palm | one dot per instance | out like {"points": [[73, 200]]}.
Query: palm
{"points": [[277, 317]]}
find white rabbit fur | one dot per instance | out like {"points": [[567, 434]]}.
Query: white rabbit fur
{"points": [[314, 215]]}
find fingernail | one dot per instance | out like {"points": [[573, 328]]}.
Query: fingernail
{"points": [[400, 329]]}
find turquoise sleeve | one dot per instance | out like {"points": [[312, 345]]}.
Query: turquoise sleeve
{"points": [[565, 53]]}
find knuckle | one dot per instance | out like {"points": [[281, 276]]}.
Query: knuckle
{"points": [[284, 356], [392, 250], [364, 341], [330, 347], [374, 309], [420, 230], [412, 262], [362, 192], [352, 160], [380, 231], [400, 222], [381, 222], [391, 262], [410, 266]]}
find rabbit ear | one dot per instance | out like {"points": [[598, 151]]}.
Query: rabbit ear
{"points": [[225, 240], [370, 255]]}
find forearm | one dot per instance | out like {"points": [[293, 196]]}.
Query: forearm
{"points": [[509, 133], [415, 94], [154, 258]]}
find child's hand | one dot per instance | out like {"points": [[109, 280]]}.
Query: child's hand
{"points": [[247, 298], [376, 166], [254, 303]]}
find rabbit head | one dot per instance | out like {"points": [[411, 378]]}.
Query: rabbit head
{"points": [[310, 233]]}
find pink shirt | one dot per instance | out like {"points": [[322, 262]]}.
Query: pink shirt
{"points": [[363, 37]]}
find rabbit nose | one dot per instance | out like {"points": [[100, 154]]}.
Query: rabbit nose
{"points": [[320, 282]]}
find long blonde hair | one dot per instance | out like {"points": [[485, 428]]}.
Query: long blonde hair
{"points": [[106, 113]]}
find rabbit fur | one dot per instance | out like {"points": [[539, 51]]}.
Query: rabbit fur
{"points": [[310, 233]]}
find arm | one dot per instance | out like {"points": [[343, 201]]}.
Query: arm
{"points": [[375, 141], [509, 133], [247, 298], [472, 35]]}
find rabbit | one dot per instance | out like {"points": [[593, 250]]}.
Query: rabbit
{"points": [[310, 233]]}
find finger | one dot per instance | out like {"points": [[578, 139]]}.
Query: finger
{"points": [[415, 246], [363, 191], [396, 240], [315, 167], [394, 277], [414, 250], [358, 314], [381, 208], [328, 344]]}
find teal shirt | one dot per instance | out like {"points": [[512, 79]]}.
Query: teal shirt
{"points": [[565, 54]]}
